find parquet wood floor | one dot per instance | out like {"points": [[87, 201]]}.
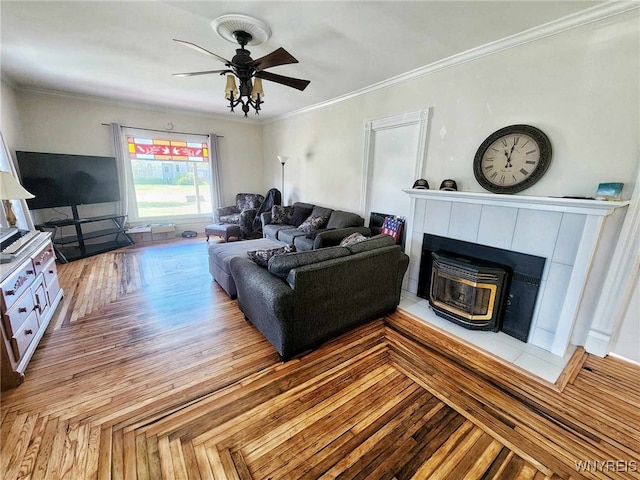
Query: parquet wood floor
{"points": [[149, 371]]}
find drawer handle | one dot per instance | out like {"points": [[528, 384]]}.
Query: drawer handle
{"points": [[38, 263], [30, 272], [10, 292], [51, 271], [28, 332], [22, 310]]}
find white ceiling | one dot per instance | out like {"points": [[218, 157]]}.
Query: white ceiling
{"points": [[124, 50]]}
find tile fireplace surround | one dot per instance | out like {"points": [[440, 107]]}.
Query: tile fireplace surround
{"points": [[577, 237]]}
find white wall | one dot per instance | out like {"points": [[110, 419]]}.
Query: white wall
{"points": [[9, 119], [579, 86], [65, 124], [627, 344]]}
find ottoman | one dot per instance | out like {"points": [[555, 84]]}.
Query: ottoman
{"points": [[224, 230], [220, 254]]}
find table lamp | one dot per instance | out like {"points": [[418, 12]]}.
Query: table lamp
{"points": [[10, 189]]}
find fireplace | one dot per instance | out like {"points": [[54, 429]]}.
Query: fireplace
{"points": [[468, 291], [504, 280]]}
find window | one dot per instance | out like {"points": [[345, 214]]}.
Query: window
{"points": [[171, 175]]}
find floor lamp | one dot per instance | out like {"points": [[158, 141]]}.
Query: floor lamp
{"points": [[282, 160]]}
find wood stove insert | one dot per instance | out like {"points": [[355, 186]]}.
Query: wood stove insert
{"points": [[468, 291], [522, 291]]}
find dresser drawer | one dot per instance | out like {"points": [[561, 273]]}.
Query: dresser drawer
{"points": [[42, 257], [18, 313], [50, 272], [18, 283], [40, 298], [53, 287], [23, 337]]}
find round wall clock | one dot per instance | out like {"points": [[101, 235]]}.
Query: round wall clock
{"points": [[512, 159]]}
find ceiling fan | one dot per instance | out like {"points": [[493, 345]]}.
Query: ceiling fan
{"points": [[249, 93]]}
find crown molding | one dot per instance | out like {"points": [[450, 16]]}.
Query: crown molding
{"points": [[593, 14], [131, 104], [590, 15]]}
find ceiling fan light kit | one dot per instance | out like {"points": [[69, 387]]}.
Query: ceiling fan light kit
{"points": [[249, 93]]}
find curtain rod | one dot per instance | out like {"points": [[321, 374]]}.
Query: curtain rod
{"points": [[163, 131]]}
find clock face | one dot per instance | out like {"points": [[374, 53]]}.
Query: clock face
{"points": [[512, 159]]}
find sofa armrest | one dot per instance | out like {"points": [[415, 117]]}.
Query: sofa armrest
{"points": [[220, 211], [265, 218], [331, 238], [267, 301], [246, 220]]}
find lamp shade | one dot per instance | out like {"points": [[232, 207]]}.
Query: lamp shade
{"points": [[257, 89], [231, 88], [282, 159], [10, 189]]}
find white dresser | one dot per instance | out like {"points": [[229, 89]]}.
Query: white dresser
{"points": [[29, 295]]}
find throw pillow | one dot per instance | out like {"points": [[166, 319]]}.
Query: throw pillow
{"points": [[313, 223], [393, 226], [281, 215], [261, 257], [352, 239]]}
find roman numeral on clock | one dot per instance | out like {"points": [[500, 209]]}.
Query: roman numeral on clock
{"points": [[524, 172]]}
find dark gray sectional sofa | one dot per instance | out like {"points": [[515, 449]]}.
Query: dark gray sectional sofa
{"points": [[339, 225], [305, 298]]}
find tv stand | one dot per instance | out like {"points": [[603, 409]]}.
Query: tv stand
{"points": [[68, 247]]}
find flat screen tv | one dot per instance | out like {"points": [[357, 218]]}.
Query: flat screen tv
{"points": [[61, 180]]}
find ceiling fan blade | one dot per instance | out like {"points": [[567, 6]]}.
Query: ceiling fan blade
{"points": [[288, 81], [201, 50], [275, 58], [193, 74]]}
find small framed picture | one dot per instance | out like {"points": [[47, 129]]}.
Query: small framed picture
{"points": [[609, 191]]}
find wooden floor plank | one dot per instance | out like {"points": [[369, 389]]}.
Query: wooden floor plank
{"points": [[138, 368]]}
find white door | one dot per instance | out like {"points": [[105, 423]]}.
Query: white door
{"points": [[394, 157]]}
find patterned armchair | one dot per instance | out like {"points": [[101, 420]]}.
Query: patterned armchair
{"points": [[242, 213]]}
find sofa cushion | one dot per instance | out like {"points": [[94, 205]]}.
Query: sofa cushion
{"points": [[281, 215], [281, 265], [313, 223], [372, 243], [301, 212], [340, 219], [303, 243], [321, 211], [271, 230], [262, 257], [288, 235]]}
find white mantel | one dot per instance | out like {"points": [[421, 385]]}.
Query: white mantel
{"points": [[576, 236]]}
